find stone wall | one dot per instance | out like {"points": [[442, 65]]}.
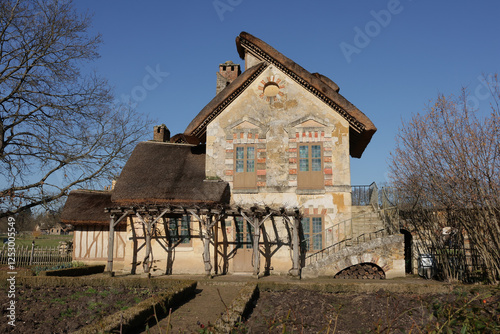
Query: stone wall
{"points": [[386, 252]]}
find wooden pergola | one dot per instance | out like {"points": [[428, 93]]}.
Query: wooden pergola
{"points": [[209, 216]]}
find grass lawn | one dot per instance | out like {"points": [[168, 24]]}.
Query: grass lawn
{"points": [[41, 241]]}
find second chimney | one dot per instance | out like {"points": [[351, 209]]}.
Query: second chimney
{"points": [[227, 73], [161, 133]]}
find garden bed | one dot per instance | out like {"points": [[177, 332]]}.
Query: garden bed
{"points": [[66, 309], [299, 310], [65, 305]]}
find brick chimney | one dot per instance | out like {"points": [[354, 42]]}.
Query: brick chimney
{"points": [[227, 73], [161, 133]]}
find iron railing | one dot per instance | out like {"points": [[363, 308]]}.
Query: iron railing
{"points": [[365, 195]]}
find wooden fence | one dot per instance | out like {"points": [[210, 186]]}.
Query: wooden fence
{"points": [[29, 255]]}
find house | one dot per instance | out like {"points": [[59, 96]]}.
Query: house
{"points": [[259, 179]]}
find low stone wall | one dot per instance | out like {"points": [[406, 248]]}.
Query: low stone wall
{"points": [[77, 271], [240, 306], [386, 252], [132, 319]]}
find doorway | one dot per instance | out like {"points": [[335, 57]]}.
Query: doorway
{"points": [[243, 246]]}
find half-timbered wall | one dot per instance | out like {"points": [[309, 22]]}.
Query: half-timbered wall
{"points": [[90, 242]]}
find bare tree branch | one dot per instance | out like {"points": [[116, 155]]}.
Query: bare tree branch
{"points": [[447, 161], [58, 127]]}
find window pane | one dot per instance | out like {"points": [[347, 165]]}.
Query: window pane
{"points": [[249, 236], [239, 166], [307, 230], [173, 230], [317, 242], [250, 166], [304, 165], [316, 151], [250, 153], [316, 165], [305, 224], [304, 152], [184, 230], [240, 152], [239, 232], [317, 226]]}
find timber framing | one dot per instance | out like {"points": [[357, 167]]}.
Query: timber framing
{"points": [[209, 218]]}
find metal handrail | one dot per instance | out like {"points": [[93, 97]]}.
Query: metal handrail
{"points": [[334, 226]]}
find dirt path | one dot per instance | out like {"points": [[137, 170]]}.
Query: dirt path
{"points": [[210, 301]]}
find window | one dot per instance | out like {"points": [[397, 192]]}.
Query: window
{"points": [[245, 175], [313, 233], [310, 173], [244, 234], [179, 230]]}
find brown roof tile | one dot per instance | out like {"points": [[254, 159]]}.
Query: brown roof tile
{"points": [[361, 127]]}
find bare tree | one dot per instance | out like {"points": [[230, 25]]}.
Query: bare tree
{"points": [[58, 126], [447, 160]]}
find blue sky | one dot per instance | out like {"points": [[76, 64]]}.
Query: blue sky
{"points": [[390, 58]]}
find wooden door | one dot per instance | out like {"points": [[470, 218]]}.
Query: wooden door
{"points": [[243, 236]]}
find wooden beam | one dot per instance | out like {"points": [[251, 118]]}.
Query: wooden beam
{"points": [[216, 247], [255, 250], [111, 243]]}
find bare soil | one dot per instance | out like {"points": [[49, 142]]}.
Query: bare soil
{"points": [[65, 309], [308, 311], [199, 313], [295, 310]]}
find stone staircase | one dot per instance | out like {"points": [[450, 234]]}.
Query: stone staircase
{"points": [[371, 242], [365, 220]]}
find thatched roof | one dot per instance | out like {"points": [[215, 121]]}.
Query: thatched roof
{"points": [[166, 173], [86, 207], [361, 127]]}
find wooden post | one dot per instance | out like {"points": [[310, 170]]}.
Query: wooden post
{"points": [[32, 252], [147, 262], [134, 247], [206, 245], [111, 243], [295, 247], [216, 245], [256, 252], [207, 225]]}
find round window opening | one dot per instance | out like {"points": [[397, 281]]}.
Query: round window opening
{"points": [[271, 89]]}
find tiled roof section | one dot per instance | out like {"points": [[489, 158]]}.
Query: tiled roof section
{"points": [[361, 127]]}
